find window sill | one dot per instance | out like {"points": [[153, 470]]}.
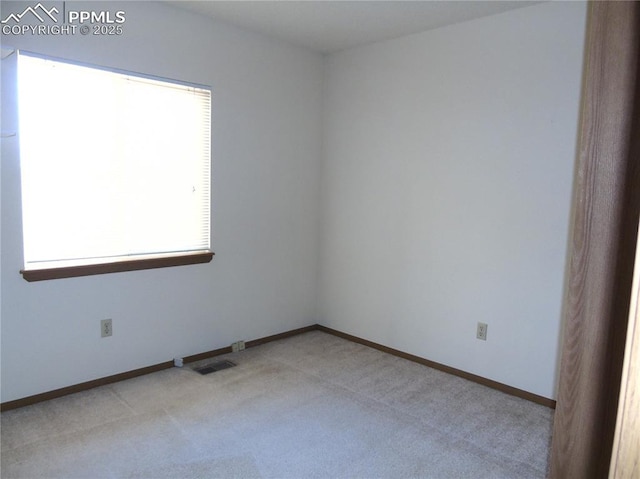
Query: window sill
{"points": [[115, 267]]}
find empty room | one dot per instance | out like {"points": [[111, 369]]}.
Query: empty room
{"points": [[328, 239]]}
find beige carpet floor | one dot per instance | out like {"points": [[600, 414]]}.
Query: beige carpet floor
{"points": [[310, 406]]}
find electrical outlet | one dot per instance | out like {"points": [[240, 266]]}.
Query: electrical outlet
{"points": [[482, 331], [106, 328], [237, 346]]}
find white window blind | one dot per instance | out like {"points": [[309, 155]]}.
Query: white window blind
{"points": [[114, 165]]}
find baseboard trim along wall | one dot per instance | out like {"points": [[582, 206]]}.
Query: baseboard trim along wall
{"points": [[18, 403], [447, 369]]}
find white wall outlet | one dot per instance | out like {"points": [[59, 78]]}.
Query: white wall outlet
{"points": [[237, 346], [106, 328], [481, 333], [178, 362]]}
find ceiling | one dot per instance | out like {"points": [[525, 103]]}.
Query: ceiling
{"points": [[330, 26]]}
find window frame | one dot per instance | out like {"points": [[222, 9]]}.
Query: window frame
{"points": [[116, 264]]}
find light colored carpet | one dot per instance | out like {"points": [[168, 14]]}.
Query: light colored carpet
{"points": [[310, 406]]}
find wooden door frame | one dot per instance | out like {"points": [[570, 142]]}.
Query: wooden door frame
{"points": [[602, 246], [625, 458]]}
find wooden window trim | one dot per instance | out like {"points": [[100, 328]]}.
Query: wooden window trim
{"points": [[116, 267]]}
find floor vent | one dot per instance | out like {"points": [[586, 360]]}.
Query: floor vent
{"points": [[213, 367]]}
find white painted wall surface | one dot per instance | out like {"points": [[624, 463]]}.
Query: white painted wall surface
{"points": [[265, 148], [445, 180], [446, 191]]}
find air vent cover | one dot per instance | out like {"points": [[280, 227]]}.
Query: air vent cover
{"points": [[213, 367]]}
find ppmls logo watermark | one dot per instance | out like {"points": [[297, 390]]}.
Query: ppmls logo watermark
{"points": [[38, 11], [40, 20]]}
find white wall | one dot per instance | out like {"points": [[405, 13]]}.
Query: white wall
{"points": [[265, 147], [446, 190], [445, 181]]}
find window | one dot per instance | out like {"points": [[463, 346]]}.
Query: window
{"points": [[115, 170]]}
